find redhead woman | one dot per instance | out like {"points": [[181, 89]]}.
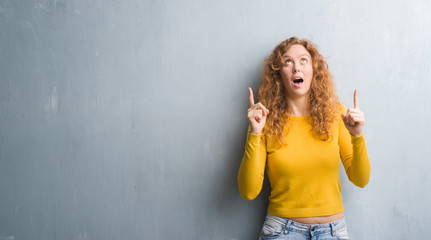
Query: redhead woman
{"points": [[299, 131]]}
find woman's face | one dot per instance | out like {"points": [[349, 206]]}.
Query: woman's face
{"points": [[297, 71]]}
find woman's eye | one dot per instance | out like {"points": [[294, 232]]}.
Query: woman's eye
{"points": [[288, 61], [303, 61]]}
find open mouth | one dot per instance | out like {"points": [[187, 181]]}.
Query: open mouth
{"points": [[297, 81]]}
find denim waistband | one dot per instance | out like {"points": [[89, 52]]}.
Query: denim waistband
{"points": [[290, 225]]}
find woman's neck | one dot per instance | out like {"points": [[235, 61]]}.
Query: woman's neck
{"points": [[298, 106]]}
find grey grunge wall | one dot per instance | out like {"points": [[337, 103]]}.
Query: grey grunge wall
{"points": [[127, 119]]}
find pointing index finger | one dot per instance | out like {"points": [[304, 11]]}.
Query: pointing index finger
{"points": [[251, 99], [356, 99]]}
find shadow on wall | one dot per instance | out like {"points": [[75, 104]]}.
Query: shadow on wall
{"points": [[227, 201]]}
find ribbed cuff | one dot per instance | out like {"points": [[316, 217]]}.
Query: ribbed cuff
{"points": [[253, 138], [357, 140]]}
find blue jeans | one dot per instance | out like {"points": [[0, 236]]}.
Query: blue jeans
{"points": [[283, 228]]}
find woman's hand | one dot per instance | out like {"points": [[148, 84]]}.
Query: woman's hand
{"points": [[354, 119], [256, 115]]}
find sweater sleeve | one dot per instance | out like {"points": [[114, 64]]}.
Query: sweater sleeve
{"points": [[252, 170], [354, 155]]}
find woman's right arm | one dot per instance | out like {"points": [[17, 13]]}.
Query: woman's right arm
{"points": [[252, 169]]}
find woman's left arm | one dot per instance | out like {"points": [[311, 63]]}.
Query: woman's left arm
{"points": [[353, 150]]}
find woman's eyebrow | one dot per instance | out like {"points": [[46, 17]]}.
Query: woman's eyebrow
{"points": [[287, 56]]}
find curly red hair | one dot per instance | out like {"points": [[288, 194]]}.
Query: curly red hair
{"points": [[324, 103]]}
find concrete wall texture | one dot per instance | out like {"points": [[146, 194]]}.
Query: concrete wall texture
{"points": [[127, 119]]}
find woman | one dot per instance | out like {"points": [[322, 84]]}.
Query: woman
{"points": [[299, 131]]}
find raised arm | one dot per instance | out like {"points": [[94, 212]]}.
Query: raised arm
{"points": [[353, 150], [252, 170]]}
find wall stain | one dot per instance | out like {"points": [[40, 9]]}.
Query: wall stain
{"points": [[47, 5], [6, 9]]}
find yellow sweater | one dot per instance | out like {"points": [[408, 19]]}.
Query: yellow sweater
{"points": [[304, 175]]}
